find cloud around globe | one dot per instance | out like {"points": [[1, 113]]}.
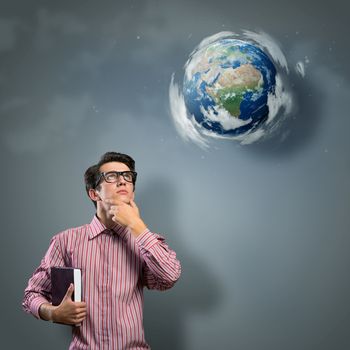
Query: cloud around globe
{"points": [[232, 89]]}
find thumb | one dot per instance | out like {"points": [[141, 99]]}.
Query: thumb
{"points": [[69, 292], [133, 204]]}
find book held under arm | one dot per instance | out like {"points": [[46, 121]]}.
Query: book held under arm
{"points": [[61, 278]]}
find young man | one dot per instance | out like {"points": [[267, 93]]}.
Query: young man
{"points": [[117, 255]]}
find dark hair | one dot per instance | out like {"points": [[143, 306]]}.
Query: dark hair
{"points": [[92, 173]]}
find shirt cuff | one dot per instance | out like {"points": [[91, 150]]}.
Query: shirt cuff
{"points": [[146, 240], [35, 305]]}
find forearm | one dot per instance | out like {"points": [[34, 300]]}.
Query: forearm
{"points": [[33, 300], [162, 268], [38, 290], [46, 312], [68, 312]]}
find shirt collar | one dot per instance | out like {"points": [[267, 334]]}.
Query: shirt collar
{"points": [[97, 227]]}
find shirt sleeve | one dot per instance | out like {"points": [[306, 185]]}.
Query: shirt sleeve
{"points": [[38, 290], [161, 267]]}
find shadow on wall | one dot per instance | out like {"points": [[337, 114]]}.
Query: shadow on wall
{"points": [[197, 290]]}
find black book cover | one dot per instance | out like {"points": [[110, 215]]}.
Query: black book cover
{"points": [[61, 278]]}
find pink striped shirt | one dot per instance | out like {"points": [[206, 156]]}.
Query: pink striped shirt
{"points": [[115, 267]]}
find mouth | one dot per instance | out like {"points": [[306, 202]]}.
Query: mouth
{"points": [[122, 192]]}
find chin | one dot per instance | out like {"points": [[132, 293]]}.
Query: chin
{"points": [[124, 199]]}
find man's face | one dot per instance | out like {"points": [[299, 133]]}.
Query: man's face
{"points": [[121, 190]]}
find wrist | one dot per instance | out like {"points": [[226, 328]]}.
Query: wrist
{"points": [[46, 312], [53, 313], [138, 227]]}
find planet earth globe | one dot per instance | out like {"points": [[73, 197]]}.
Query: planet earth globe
{"points": [[227, 85]]}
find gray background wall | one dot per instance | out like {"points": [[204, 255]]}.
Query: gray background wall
{"points": [[261, 230]]}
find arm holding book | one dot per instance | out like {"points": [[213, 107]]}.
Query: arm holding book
{"points": [[68, 312], [37, 295]]}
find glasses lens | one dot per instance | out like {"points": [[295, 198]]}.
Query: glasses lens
{"points": [[111, 176], [127, 175]]}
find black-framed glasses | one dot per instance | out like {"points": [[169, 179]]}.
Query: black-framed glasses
{"points": [[113, 176]]}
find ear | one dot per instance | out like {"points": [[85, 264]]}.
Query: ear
{"points": [[93, 194]]}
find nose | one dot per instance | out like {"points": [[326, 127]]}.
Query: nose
{"points": [[120, 180]]}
